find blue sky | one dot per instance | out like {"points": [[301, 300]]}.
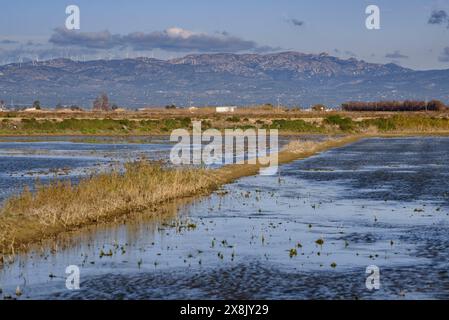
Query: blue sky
{"points": [[336, 27]]}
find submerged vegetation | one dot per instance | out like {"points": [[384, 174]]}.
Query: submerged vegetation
{"points": [[142, 186]]}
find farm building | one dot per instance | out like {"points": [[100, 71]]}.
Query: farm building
{"points": [[225, 109]]}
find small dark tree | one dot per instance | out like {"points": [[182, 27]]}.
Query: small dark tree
{"points": [[37, 105], [97, 104], [436, 105], [105, 105], [75, 108], [319, 107]]}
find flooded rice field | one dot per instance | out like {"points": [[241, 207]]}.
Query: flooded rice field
{"points": [[310, 232], [23, 160]]}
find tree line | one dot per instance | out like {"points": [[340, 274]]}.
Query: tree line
{"points": [[407, 105]]}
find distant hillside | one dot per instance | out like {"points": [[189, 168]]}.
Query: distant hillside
{"points": [[218, 79]]}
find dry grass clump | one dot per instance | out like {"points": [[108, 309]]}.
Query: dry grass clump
{"points": [[300, 146], [62, 206]]}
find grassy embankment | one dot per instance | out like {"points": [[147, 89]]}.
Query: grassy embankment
{"points": [[333, 123], [60, 207]]}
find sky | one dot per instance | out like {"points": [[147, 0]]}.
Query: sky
{"points": [[413, 33]]}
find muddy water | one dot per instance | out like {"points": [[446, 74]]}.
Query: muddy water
{"points": [[381, 202]]}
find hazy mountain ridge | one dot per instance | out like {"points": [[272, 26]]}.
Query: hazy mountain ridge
{"points": [[299, 64], [213, 79]]}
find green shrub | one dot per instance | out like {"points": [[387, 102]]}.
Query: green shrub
{"points": [[344, 124], [233, 119], [382, 124]]}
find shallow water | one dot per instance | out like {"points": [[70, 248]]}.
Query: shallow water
{"points": [[380, 202], [23, 160]]}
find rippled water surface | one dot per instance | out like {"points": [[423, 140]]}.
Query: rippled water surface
{"points": [[380, 202]]}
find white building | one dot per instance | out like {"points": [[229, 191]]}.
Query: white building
{"points": [[32, 109], [225, 109]]}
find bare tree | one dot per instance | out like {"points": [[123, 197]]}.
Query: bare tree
{"points": [[101, 103]]}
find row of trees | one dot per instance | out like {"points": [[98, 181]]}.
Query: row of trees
{"points": [[407, 105], [102, 103]]}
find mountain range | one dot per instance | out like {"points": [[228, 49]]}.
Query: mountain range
{"points": [[290, 78]]}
